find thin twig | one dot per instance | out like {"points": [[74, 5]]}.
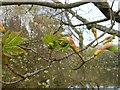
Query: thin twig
{"points": [[57, 14], [14, 71], [75, 30], [12, 82], [30, 41], [58, 29], [118, 12], [29, 9], [26, 48], [26, 75], [92, 57], [37, 71], [94, 22], [111, 11]]}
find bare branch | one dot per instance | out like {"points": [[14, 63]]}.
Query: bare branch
{"points": [[100, 27], [102, 6], [93, 56], [75, 30], [94, 22], [26, 48], [14, 71], [106, 10], [29, 9], [79, 33], [47, 4], [57, 13], [58, 29], [12, 82], [118, 11], [26, 75], [67, 56], [37, 71]]}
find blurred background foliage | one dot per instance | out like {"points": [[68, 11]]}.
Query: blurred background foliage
{"points": [[34, 24]]}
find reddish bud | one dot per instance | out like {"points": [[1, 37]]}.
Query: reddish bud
{"points": [[102, 48]]}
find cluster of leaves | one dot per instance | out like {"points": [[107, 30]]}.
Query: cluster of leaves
{"points": [[50, 40], [10, 42], [64, 45], [53, 41]]}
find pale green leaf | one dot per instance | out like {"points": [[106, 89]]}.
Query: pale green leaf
{"points": [[13, 50], [50, 40], [11, 36], [16, 41]]}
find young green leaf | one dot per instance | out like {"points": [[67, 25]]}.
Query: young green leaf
{"points": [[50, 40], [16, 41], [10, 42], [13, 50], [64, 48], [11, 36]]}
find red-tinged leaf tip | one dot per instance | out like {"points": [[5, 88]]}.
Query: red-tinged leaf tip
{"points": [[73, 46], [71, 41], [107, 38], [102, 48]]}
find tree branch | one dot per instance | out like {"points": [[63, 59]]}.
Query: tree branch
{"points": [[47, 4], [26, 48], [37, 71], [26, 75], [93, 56], [107, 11], [75, 30], [100, 27], [14, 71], [93, 22], [102, 6], [12, 82]]}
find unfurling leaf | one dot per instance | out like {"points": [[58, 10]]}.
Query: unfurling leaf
{"points": [[63, 43], [16, 41], [66, 42], [64, 48], [72, 44], [11, 37], [10, 42], [102, 48], [50, 40], [13, 50]]}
